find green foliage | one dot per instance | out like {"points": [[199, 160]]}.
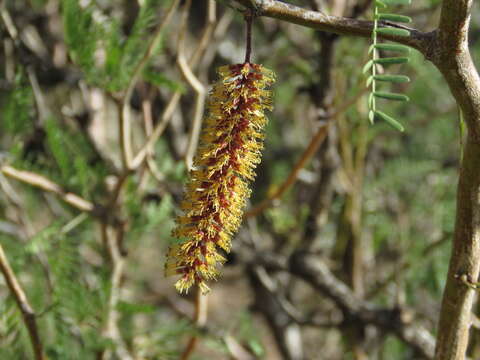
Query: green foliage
{"points": [[247, 333], [371, 65], [17, 108], [81, 33], [161, 80], [74, 159], [14, 341], [90, 39]]}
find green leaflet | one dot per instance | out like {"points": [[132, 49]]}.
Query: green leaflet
{"points": [[393, 31], [391, 60], [397, 2], [390, 47], [367, 66], [393, 78], [388, 78], [394, 17], [391, 96], [389, 120]]}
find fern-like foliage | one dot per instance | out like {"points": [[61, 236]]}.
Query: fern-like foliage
{"points": [[17, 107], [376, 60], [14, 341], [88, 31]]}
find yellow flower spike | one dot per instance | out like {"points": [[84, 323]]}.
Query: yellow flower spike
{"points": [[223, 167]]}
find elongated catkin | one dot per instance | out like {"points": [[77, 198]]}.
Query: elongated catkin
{"points": [[230, 146]]}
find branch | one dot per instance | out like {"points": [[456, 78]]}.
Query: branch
{"points": [[311, 269], [110, 238], [199, 319], [454, 23], [193, 81], [203, 43], [335, 24], [125, 121], [23, 304], [311, 149], [49, 186]]}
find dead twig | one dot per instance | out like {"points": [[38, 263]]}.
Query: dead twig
{"points": [[23, 304], [110, 238], [45, 184]]}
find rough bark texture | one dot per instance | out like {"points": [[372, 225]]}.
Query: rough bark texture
{"points": [[454, 61]]}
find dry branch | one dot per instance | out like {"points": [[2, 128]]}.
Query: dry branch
{"points": [[23, 304], [47, 185]]}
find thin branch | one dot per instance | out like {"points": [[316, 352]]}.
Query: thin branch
{"points": [[195, 84], [200, 319], [42, 108], [315, 143], [23, 304], [111, 330], [49, 186], [248, 25], [125, 121], [150, 161], [335, 24], [453, 59]]}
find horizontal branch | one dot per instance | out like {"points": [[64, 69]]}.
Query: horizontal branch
{"points": [[334, 24]]}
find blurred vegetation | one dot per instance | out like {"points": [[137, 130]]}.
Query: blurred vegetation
{"points": [[83, 55]]}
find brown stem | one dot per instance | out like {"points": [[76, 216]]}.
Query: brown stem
{"points": [[248, 25], [23, 304], [124, 104], [334, 24], [47, 185], [204, 42], [200, 319], [452, 57]]}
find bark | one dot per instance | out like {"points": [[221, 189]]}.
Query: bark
{"points": [[453, 59]]}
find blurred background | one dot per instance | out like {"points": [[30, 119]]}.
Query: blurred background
{"points": [[100, 106]]}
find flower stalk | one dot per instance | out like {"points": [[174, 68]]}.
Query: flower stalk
{"points": [[216, 194]]}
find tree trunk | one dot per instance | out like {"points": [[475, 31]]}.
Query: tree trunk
{"points": [[455, 317], [453, 59]]}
